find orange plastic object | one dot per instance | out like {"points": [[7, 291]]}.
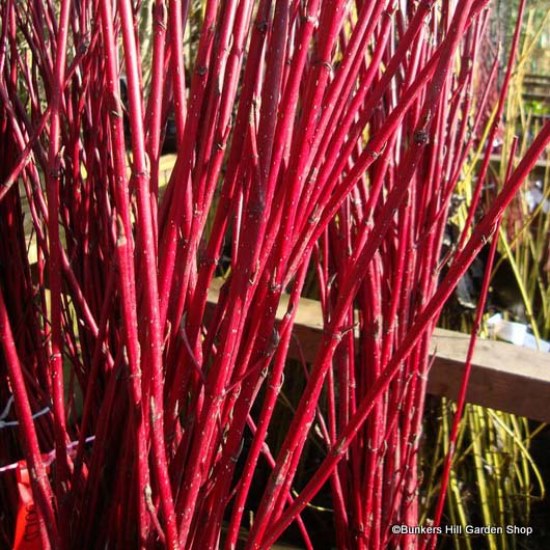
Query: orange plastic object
{"points": [[27, 527]]}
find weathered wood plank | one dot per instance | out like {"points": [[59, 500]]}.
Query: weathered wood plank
{"points": [[504, 377]]}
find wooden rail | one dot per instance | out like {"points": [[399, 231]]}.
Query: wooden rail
{"points": [[540, 97], [504, 377], [539, 169]]}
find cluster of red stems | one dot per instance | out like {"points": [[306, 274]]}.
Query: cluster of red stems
{"points": [[314, 139]]}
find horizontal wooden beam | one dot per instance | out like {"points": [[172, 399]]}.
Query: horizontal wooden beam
{"points": [[539, 169], [536, 96], [504, 377], [528, 78]]}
